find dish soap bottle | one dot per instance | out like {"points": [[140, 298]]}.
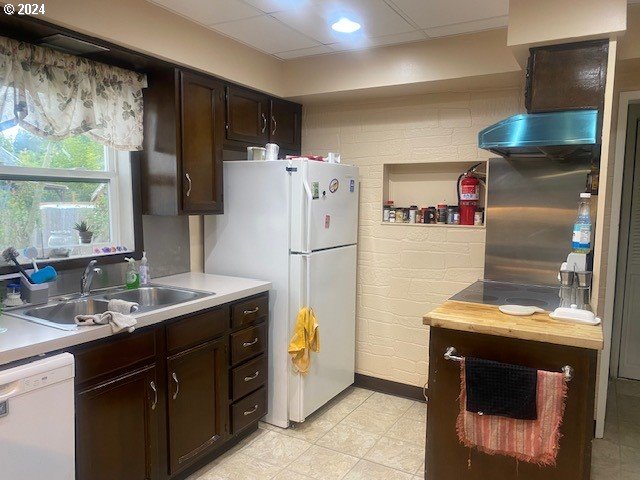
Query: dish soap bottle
{"points": [[144, 270], [581, 242], [132, 276]]}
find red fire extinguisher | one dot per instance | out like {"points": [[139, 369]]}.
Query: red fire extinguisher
{"points": [[468, 195]]}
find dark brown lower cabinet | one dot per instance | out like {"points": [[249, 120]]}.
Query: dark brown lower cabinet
{"points": [[448, 459], [156, 404], [197, 402], [117, 428]]}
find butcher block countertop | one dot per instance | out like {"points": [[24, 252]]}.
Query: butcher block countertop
{"points": [[489, 320]]}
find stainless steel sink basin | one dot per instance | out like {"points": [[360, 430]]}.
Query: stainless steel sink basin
{"points": [[155, 296], [61, 313]]}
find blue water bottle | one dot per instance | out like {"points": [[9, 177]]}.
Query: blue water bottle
{"points": [[581, 242]]}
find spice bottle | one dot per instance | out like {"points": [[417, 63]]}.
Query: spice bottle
{"points": [[413, 213]]}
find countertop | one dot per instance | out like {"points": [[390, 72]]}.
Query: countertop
{"points": [[24, 339], [488, 319]]}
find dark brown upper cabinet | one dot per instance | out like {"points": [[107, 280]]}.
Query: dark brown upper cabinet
{"points": [[197, 402], [183, 137], [253, 118], [201, 121], [567, 76], [285, 124], [247, 119]]}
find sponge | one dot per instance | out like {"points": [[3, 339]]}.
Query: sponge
{"points": [[46, 274]]}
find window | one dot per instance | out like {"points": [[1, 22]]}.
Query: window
{"points": [[49, 187]]}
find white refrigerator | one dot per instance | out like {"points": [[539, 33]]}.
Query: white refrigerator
{"points": [[295, 224]]}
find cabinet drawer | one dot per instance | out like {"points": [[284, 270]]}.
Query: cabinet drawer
{"points": [[197, 329], [246, 378], [248, 343], [118, 353], [249, 311], [249, 410]]}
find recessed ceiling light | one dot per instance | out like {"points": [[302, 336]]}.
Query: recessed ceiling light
{"points": [[344, 25]]}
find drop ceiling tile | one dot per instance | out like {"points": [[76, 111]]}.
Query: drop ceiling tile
{"points": [[304, 52], [266, 34], [271, 6], [208, 12], [375, 16], [429, 14], [475, 26], [408, 37]]}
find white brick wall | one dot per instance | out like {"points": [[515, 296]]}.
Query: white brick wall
{"points": [[405, 271]]}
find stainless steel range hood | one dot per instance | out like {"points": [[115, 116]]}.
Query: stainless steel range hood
{"points": [[561, 135]]}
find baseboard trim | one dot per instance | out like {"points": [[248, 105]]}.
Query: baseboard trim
{"points": [[389, 386]]}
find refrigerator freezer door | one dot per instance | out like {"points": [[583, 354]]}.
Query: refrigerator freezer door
{"points": [[328, 278], [330, 200]]}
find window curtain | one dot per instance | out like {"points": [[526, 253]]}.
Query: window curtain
{"points": [[55, 95]]}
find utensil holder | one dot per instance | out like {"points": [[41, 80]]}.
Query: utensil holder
{"points": [[34, 294]]}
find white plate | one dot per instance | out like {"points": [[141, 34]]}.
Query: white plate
{"points": [[520, 310]]}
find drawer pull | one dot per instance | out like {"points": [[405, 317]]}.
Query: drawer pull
{"points": [[175, 379], [251, 312], [253, 410], [252, 377], [155, 395], [249, 344], [264, 123]]}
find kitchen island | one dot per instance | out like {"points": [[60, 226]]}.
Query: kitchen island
{"points": [[537, 341]]}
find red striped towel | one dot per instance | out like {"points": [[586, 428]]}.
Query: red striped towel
{"points": [[533, 441]]}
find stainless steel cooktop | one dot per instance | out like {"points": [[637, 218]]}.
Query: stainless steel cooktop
{"points": [[503, 293]]}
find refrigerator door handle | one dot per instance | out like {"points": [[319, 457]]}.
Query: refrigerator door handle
{"points": [[307, 281], [307, 189]]}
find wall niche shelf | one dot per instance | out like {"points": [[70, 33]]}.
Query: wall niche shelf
{"points": [[426, 185], [434, 225]]}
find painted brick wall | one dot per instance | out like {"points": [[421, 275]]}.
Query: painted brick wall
{"points": [[405, 271]]}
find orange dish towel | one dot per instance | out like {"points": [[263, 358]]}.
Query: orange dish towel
{"points": [[305, 339], [533, 441]]}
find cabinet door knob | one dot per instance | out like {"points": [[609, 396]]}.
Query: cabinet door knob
{"points": [[248, 344], [275, 125], [264, 123], [152, 384], [251, 312], [175, 379], [252, 377], [190, 184], [253, 410]]}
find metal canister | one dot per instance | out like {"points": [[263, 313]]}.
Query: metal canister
{"points": [[450, 214], [478, 217]]}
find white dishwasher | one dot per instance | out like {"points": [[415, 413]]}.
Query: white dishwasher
{"points": [[37, 421]]}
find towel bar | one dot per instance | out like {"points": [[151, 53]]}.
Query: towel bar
{"points": [[452, 354]]}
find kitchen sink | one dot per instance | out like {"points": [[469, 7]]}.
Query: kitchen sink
{"points": [[60, 313], [156, 297]]}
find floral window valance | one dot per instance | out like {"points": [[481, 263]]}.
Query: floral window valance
{"points": [[56, 95]]}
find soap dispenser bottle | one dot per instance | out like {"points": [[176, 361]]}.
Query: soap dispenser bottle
{"points": [[144, 270], [132, 276]]}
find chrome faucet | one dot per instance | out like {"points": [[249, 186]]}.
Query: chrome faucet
{"points": [[87, 277]]}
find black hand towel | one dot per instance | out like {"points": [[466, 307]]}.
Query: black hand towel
{"points": [[500, 389]]}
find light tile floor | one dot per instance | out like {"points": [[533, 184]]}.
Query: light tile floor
{"points": [[617, 455], [359, 435], [362, 435]]}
